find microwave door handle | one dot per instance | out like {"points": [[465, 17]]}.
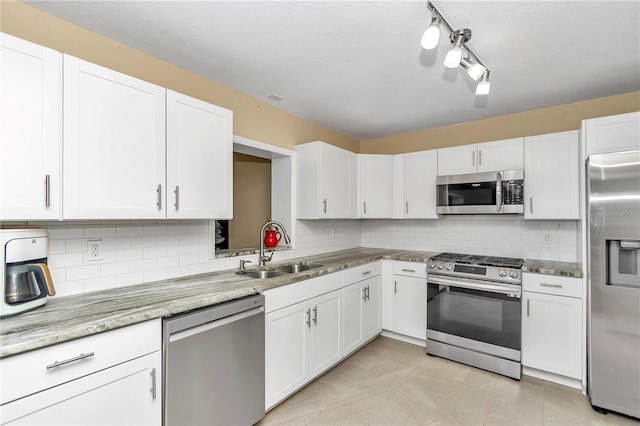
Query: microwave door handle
{"points": [[499, 191]]}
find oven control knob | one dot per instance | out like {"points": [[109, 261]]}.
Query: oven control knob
{"points": [[513, 274], [432, 265], [449, 267], [440, 266], [502, 273]]}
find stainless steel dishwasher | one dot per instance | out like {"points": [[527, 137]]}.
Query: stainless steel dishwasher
{"points": [[213, 364]]}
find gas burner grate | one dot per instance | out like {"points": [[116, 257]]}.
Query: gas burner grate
{"points": [[482, 260]]}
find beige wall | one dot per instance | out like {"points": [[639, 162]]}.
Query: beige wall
{"points": [[528, 123], [251, 118], [251, 199], [260, 121]]}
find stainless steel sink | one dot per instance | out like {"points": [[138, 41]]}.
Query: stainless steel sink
{"points": [[296, 267], [263, 274]]}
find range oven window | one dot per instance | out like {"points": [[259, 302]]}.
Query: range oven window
{"points": [[478, 315]]}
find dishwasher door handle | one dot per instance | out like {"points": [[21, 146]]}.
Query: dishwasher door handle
{"points": [[174, 337]]}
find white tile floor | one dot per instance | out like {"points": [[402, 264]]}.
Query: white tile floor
{"points": [[389, 382]]}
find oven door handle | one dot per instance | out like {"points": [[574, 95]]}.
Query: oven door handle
{"points": [[511, 290]]}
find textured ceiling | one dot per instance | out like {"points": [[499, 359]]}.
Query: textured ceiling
{"points": [[357, 66]]}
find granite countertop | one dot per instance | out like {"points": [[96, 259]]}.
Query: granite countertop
{"points": [[72, 317], [550, 267]]}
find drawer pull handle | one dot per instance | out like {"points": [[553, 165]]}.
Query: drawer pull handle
{"points": [[67, 361], [408, 270], [551, 285], [366, 272]]}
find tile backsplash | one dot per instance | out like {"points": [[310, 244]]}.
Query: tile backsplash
{"points": [[509, 236], [143, 251]]}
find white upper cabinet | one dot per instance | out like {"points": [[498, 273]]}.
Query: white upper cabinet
{"points": [[30, 130], [199, 159], [375, 183], [326, 180], [494, 156], [552, 176], [114, 144], [419, 176], [612, 134]]}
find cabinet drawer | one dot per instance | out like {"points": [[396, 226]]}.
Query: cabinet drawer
{"points": [[410, 269], [34, 371], [362, 272], [297, 292], [552, 284]]}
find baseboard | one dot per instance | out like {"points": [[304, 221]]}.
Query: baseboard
{"points": [[555, 378], [402, 337]]}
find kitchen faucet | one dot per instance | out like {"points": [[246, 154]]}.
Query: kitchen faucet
{"points": [[262, 258]]}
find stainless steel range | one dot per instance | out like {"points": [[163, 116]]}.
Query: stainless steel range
{"points": [[474, 311]]}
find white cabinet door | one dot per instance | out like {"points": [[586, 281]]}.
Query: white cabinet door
{"points": [[552, 176], [126, 394], [286, 343], [420, 171], [199, 159], [551, 330], [506, 154], [457, 160], [372, 315], [326, 181], [375, 180], [410, 306], [114, 144], [352, 330], [493, 156], [612, 134], [30, 133], [325, 337]]}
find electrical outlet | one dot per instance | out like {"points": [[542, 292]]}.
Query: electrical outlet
{"points": [[546, 237], [94, 250]]}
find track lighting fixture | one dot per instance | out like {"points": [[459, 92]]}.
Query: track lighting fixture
{"points": [[471, 63]]}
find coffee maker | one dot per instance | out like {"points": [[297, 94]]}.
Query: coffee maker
{"points": [[26, 280]]}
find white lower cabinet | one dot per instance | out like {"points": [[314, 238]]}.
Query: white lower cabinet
{"points": [[410, 299], [302, 339], [362, 313], [115, 379], [552, 324]]}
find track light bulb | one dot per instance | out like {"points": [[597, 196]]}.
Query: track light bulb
{"points": [[483, 87], [474, 69], [431, 36], [454, 55]]}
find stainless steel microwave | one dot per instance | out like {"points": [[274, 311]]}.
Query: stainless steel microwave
{"points": [[481, 193]]}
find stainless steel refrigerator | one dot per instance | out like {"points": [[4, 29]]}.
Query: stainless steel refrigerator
{"points": [[614, 281]]}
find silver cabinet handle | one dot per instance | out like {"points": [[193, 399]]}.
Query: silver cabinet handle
{"points": [[364, 294], [367, 292], [479, 157], [315, 315], [153, 383], [365, 207], [527, 307], [530, 204], [473, 158], [309, 318], [408, 270], [159, 196], [395, 287], [406, 207], [551, 285], [67, 361], [47, 190], [366, 272], [324, 202], [177, 192]]}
